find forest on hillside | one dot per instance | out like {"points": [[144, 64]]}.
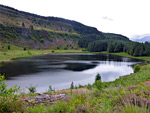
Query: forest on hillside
{"points": [[132, 48]]}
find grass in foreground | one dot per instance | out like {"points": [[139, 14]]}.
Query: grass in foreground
{"points": [[129, 94], [125, 95]]}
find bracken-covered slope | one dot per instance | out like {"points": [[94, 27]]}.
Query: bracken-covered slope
{"points": [[38, 32]]}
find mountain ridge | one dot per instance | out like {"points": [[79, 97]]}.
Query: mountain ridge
{"points": [[33, 31]]}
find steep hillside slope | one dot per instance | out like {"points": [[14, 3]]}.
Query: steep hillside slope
{"points": [[33, 31]]}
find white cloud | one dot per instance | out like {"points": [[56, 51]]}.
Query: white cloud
{"points": [[140, 36], [107, 18], [130, 17]]}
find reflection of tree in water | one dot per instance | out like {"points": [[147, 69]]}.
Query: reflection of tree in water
{"points": [[99, 57], [79, 66], [17, 68]]}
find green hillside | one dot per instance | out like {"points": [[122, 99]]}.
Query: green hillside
{"points": [[25, 30], [37, 32]]}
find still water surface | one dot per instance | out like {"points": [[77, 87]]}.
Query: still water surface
{"points": [[59, 70]]}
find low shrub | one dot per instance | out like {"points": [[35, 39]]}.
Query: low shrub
{"points": [[98, 84], [50, 88], [136, 68], [98, 77], [32, 89], [65, 48], [89, 86], [8, 47], [24, 49], [42, 40], [8, 98]]}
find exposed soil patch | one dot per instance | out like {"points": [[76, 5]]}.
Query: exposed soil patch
{"points": [[147, 83]]}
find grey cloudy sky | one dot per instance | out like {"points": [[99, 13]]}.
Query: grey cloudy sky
{"points": [[128, 17]]}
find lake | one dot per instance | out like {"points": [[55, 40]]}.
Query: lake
{"points": [[59, 70]]}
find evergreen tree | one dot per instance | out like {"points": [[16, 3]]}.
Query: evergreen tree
{"points": [[98, 77]]}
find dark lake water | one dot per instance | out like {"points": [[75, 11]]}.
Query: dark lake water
{"points": [[59, 70]]}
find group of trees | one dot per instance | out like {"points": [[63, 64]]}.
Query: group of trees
{"points": [[139, 49], [132, 48], [97, 37]]}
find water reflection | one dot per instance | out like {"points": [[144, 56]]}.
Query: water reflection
{"points": [[111, 70], [60, 70]]}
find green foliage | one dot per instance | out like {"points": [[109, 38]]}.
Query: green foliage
{"points": [[37, 109], [72, 85], [133, 79], [84, 49], [50, 88], [8, 47], [19, 53], [98, 84], [110, 48], [29, 53], [24, 49], [89, 86], [32, 89], [132, 48], [98, 77], [81, 86], [136, 68], [111, 36], [42, 40], [65, 48], [8, 96]]}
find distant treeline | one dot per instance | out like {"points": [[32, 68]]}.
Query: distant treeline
{"points": [[132, 48]]}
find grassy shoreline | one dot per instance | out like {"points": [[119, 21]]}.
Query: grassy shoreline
{"points": [[10, 55], [146, 58], [129, 94]]}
